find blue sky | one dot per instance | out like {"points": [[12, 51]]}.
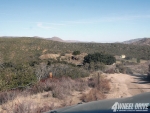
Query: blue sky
{"points": [[84, 20]]}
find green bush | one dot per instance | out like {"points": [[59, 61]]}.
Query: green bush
{"points": [[76, 53], [138, 60], [12, 76], [99, 57], [128, 58]]}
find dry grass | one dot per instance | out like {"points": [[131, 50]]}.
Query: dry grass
{"points": [[93, 95], [8, 95], [25, 107], [37, 103], [60, 87], [53, 93], [42, 96], [47, 56]]}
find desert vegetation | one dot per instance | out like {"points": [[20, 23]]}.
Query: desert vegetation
{"points": [[51, 90], [26, 64], [100, 57], [76, 53]]}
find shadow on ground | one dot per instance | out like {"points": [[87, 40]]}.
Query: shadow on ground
{"points": [[142, 79]]}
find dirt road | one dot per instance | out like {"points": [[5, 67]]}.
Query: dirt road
{"points": [[124, 85]]}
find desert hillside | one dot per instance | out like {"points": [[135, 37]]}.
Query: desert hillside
{"points": [[139, 41], [38, 75]]}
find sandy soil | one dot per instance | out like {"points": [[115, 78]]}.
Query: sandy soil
{"points": [[124, 85]]}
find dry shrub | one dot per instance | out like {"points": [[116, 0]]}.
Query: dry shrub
{"points": [[93, 95], [104, 85], [66, 85], [44, 108], [92, 82], [26, 107], [45, 85], [65, 103], [100, 87], [100, 83], [80, 85], [121, 68], [59, 92], [21, 107], [16, 107], [60, 87], [8, 95], [110, 71]]}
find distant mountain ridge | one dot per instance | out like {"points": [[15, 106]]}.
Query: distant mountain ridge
{"points": [[61, 40], [144, 41], [56, 39], [139, 41], [132, 41], [53, 39]]}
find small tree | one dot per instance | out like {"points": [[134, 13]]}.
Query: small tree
{"points": [[99, 57], [76, 53], [138, 60]]}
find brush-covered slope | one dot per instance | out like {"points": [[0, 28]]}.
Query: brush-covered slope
{"points": [[29, 49]]}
